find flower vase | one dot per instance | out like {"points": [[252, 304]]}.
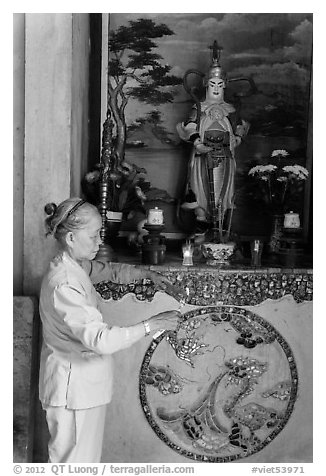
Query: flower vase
{"points": [[276, 234]]}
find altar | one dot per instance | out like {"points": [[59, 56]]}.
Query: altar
{"points": [[234, 382], [233, 385]]}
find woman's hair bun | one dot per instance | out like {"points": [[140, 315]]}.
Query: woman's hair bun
{"points": [[50, 208]]}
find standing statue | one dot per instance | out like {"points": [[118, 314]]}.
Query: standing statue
{"points": [[215, 132]]}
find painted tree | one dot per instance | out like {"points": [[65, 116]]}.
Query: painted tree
{"points": [[155, 123], [135, 71]]}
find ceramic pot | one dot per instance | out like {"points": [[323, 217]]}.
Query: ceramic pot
{"points": [[291, 220], [218, 253], [155, 216]]}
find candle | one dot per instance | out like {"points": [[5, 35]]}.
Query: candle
{"points": [[187, 252]]}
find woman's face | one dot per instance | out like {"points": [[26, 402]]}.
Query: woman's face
{"points": [[84, 243]]}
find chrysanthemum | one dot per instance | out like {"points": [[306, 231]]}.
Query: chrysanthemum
{"points": [[262, 169], [280, 152], [301, 173]]}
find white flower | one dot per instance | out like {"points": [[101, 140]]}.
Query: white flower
{"points": [[299, 172], [269, 168], [92, 176], [281, 152], [262, 169], [254, 170], [281, 183]]}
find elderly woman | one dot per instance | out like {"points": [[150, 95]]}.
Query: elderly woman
{"points": [[76, 367]]}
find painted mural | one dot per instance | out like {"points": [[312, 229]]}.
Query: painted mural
{"points": [[221, 387], [273, 49]]}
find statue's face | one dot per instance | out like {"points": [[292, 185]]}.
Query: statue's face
{"points": [[215, 89]]}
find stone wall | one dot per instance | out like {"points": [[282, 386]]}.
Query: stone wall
{"points": [[25, 375], [50, 130]]}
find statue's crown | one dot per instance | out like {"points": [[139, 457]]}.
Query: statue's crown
{"points": [[215, 70]]}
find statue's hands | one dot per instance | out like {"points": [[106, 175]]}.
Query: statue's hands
{"points": [[242, 129], [200, 147]]}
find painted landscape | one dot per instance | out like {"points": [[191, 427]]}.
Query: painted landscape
{"points": [[273, 49]]}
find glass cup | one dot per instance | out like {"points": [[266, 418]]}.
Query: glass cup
{"points": [[256, 248], [187, 252]]}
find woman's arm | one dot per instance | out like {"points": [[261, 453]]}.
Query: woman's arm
{"points": [[83, 322], [125, 273], [116, 272]]}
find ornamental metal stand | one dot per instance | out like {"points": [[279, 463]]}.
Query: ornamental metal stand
{"points": [[105, 252]]}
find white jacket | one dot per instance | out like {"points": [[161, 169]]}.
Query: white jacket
{"points": [[76, 368]]}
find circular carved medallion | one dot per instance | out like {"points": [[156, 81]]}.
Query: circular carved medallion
{"points": [[220, 388]]}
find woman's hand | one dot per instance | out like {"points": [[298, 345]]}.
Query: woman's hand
{"points": [[165, 285], [167, 320]]}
